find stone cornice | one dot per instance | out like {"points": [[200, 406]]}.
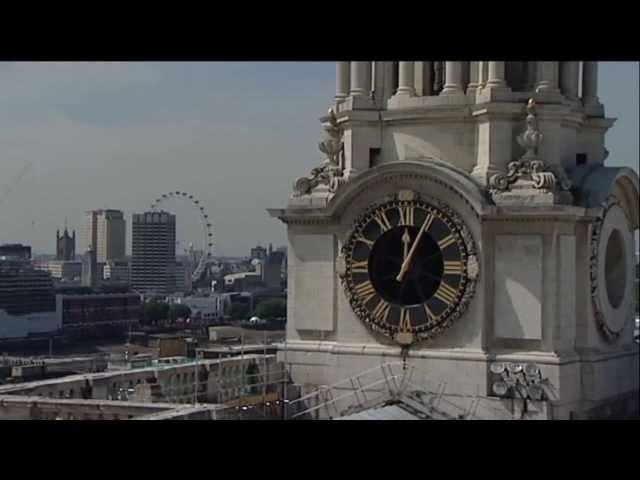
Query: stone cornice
{"points": [[431, 170], [307, 216], [443, 109], [599, 123], [593, 356], [427, 115], [559, 213], [348, 117], [457, 354]]}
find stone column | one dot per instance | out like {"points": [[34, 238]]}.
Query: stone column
{"points": [[406, 79], [342, 80], [482, 74], [494, 87], [590, 83], [496, 75], [453, 79], [360, 79], [494, 146], [545, 78], [418, 78], [474, 79], [569, 77]]}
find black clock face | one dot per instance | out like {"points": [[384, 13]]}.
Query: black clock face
{"points": [[406, 268]]}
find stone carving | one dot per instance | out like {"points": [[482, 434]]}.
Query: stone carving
{"points": [[330, 172], [609, 334], [473, 268], [529, 170]]}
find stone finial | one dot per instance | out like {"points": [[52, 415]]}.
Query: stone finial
{"points": [[330, 172], [531, 138], [530, 171]]}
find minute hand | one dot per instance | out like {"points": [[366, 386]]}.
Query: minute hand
{"points": [[407, 261]]}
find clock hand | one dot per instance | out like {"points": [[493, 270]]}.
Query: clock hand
{"points": [[405, 241], [407, 261]]}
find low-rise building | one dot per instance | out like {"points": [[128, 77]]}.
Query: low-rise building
{"points": [[244, 281], [218, 381], [116, 271], [65, 270], [95, 313], [16, 250], [206, 310], [27, 300]]}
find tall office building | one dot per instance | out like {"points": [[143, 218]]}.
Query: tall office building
{"points": [[153, 260], [105, 232]]}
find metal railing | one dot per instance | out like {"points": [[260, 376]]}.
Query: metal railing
{"points": [[389, 384]]}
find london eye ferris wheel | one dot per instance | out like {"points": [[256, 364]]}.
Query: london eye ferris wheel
{"points": [[207, 239]]}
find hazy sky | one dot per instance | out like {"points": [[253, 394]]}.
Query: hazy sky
{"points": [[78, 136]]}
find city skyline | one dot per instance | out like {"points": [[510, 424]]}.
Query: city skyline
{"points": [[79, 136]]}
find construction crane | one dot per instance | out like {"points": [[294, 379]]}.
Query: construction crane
{"points": [[9, 188]]}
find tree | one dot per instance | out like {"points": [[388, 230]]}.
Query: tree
{"points": [[179, 311], [239, 310], [153, 312], [272, 308], [252, 376]]}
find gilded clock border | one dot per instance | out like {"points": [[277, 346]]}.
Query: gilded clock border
{"points": [[471, 258]]}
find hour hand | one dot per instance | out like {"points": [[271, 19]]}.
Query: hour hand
{"points": [[406, 238]]}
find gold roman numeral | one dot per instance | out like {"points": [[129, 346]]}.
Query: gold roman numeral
{"points": [[428, 221], [430, 316], [365, 291], [407, 214], [405, 320], [381, 312], [446, 241], [382, 220], [453, 267], [360, 238], [360, 267], [446, 293]]}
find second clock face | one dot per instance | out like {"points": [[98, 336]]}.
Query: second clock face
{"points": [[406, 268]]}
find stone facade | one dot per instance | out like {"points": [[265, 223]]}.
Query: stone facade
{"points": [[520, 158]]}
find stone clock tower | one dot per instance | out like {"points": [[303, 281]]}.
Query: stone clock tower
{"points": [[465, 221]]}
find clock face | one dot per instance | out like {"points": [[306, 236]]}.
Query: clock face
{"points": [[407, 268]]}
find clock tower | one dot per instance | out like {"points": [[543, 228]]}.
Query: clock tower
{"points": [[464, 221]]}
